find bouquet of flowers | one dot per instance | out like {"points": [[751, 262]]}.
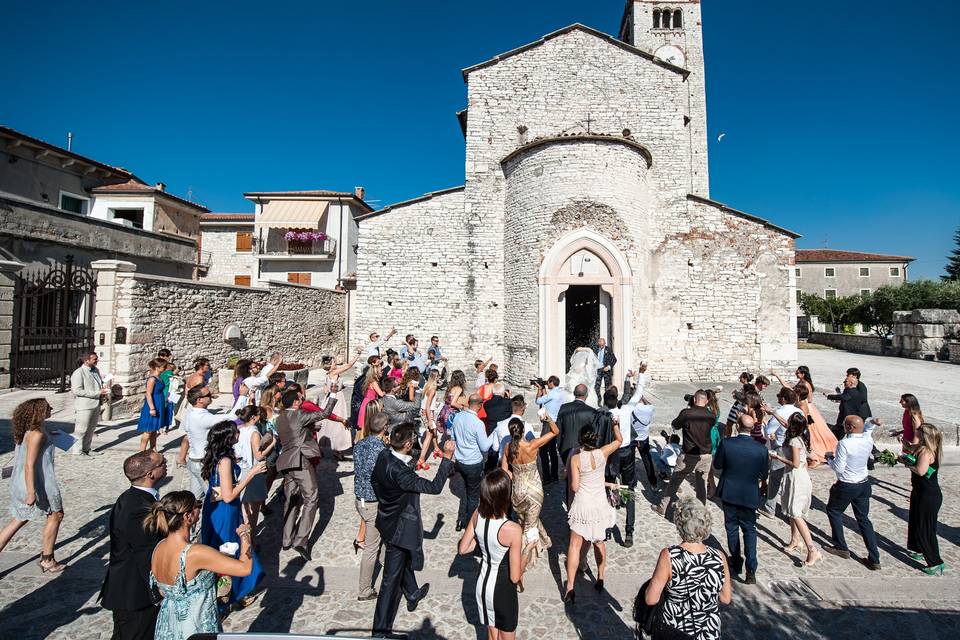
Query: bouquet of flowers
{"points": [[888, 458], [304, 236]]}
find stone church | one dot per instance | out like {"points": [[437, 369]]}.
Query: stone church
{"points": [[586, 213]]}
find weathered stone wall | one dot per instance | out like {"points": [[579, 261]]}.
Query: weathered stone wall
{"points": [[954, 350], [187, 317], [923, 333], [848, 342]]}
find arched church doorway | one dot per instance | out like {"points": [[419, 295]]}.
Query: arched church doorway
{"points": [[585, 294]]}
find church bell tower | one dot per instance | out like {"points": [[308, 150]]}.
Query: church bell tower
{"points": [[672, 31]]}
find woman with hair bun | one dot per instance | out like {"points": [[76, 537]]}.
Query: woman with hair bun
{"points": [[222, 506], [590, 513], [153, 414], [185, 573]]}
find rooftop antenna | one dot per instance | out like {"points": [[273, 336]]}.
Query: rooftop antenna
{"points": [[189, 194], [826, 242], [69, 140]]}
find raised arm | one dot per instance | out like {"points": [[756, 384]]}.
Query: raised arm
{"points": [[610, 447], [547, 437]]}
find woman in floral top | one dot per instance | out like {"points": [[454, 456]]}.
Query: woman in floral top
{"points": [[365, 454]]}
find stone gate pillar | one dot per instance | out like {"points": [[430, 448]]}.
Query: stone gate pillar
{"points": [[8, 273], [113, 353]]}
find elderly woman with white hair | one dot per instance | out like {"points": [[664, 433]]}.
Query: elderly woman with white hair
{"points": [[692, 579]]}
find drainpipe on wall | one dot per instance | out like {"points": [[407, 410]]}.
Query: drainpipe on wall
{"points": [[346, 317]]}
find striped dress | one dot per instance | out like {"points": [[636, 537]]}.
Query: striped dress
{"points": [[496, 594]]}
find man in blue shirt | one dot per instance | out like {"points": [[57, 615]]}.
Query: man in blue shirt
{"points": [[551, 398], [472, 443]]}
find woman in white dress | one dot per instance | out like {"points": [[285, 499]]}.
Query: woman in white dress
{"points": [[797, 488], [584, 365], [333, 434]]}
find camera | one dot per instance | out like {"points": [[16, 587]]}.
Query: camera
{"points": [[688, 398], [538, 382]]}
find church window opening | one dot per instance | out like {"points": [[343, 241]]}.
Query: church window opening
{"points": [[656, 18], [665, 19], [678, 19]]}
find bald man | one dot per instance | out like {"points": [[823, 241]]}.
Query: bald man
{"points": [[472, 444], [745, 464], [852, 488]]}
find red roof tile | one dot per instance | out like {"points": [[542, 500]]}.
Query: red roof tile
{"points": [[227, 217], [136, 186], [838, 255]]}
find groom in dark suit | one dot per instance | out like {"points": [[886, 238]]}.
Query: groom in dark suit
{"points": [[745, 464], [607, 362], [398, 490], [126, 587]]}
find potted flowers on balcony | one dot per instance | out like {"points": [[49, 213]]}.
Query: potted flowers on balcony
{"points": [[301, 242]]}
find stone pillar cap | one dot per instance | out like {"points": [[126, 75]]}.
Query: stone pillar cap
{"points": [[113, 265], [10, 266]]}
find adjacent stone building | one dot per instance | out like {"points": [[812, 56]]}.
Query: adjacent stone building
{"points": [[228, 239], [586, 213]]}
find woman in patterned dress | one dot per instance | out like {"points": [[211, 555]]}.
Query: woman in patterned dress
{"points": [[521, 458], [185, 573], [334, 434], [693, 578]]}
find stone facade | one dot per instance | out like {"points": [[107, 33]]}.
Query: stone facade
{"points": [[582, 143], [189, 317], [226, 262], [954, 350], [923, 333]]}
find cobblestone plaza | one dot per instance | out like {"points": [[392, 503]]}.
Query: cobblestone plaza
{"points": [[834, 599]]}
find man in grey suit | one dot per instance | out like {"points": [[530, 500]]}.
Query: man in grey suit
{"points": [[299, 450], [87, 386]]}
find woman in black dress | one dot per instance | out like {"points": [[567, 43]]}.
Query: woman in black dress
{"points": [[925, 500]]}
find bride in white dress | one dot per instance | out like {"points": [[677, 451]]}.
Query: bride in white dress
{"points": [[584, 365]]}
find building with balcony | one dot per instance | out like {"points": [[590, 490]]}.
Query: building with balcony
{"points": [[54, 203], [306, 237]]}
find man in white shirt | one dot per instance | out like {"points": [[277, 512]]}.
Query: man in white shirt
{"points": [[376, 344], [775, 431], [622, 465], [501, 434], [852, 487], [196, 425]]}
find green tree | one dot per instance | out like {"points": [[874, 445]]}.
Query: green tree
{"points": [[837, 312], [953, 260]]}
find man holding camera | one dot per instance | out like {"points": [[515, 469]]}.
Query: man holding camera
{"points": [[853, 401], [550, 399], [695, 422]]}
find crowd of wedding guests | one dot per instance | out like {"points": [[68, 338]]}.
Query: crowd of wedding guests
{"points": [[180, 562]]}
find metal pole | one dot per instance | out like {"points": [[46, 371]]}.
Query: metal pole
{"points": [[64, 320]]}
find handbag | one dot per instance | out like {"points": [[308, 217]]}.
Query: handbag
{"points": [[644, 614]]}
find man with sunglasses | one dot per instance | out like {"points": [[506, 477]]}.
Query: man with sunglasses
{"points": [[126, 587], [376, 344], [196, 425]]}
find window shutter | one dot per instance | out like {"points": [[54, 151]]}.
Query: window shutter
{"points": [[241, 281], [244, 241]]}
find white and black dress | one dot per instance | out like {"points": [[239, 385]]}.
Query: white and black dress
{"points": [[496, 594], [691, 597]]}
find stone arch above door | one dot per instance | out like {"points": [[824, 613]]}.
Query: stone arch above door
{"points": [[611, 273]]}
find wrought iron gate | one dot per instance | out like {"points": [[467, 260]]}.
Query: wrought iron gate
{"points": [[52, 324]]}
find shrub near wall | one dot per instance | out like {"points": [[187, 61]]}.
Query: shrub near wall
{"points": [[188, 317]]}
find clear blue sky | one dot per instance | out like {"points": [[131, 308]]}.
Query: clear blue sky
{"points": [[841, 118]]}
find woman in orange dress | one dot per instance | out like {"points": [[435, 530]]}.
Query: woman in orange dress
{"points": [[822, 440]]}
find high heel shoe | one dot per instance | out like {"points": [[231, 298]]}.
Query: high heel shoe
{"points": [[599, 585], [569, 598], [935, 571], [814, 557], [916, 557], [357, 545], [793, 546], [56, 567]]}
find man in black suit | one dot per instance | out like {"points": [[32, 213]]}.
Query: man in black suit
{"points": [[853, 401], [398, 490], [498, 408], [572, 417], [126, 587], [607, 362], [745, 464]]}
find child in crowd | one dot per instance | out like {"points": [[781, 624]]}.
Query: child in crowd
{"points": [[665, 458]]}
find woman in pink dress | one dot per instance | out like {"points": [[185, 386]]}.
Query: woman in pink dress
{"points": [[822, 440], [371, 391], [909, 435]]}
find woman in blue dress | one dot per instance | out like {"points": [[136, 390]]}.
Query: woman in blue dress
{"points": [[153, 415], [186, 574], [222, 507]]}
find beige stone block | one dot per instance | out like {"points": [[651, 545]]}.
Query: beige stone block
{"points": [[103, 308]]}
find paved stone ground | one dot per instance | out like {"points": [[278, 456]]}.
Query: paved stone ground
{"points": [[834, 599]]}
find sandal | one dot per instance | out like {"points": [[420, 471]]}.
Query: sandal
{"points": [[56, 567]]}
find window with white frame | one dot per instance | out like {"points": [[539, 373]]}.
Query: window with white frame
{"points": [[799, 294], [829, 272], [865, 292], [797, 271], [894, 272], [830, 294], [73, 203], [864, 272]]}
